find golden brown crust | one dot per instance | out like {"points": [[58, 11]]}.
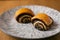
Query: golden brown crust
{"points": [[23, 10], [44, 18]]}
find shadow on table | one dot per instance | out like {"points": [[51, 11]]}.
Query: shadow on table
{"points": [[55, 37]]}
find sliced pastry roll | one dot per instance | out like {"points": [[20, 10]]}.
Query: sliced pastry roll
{"points": [[24, 15], [42, 21]]}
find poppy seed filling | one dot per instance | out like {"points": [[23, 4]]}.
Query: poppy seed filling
{"points": [[24, 18]]}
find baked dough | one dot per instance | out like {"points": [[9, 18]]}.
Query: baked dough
{"points": [[42, 21], [23, 15]]}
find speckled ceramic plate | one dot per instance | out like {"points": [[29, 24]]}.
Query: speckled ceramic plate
{"points": [[10, 26]]}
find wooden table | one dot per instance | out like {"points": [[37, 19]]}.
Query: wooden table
{"points": [[6, 5]]}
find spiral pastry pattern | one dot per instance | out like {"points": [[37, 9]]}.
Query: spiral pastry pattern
{"points": [[24, 15], [42, 21]]}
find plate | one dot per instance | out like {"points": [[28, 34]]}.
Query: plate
{"points": [[11, 27]]}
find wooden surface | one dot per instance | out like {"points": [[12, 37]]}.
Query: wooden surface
{"points": [[6, 5]]}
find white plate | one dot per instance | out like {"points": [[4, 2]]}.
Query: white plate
{"points": [[10, 26]]}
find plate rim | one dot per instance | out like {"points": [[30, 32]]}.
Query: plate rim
{"points": [[28, 5]]}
